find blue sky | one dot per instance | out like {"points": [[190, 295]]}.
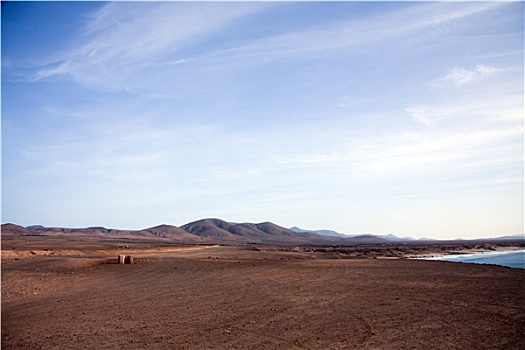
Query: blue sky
{"points": [[403, 118]]}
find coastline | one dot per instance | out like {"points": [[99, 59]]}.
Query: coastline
{"points": [[467, 251], [508, 258]]}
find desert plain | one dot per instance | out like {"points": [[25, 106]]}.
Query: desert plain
{"points": [[72, 294]]}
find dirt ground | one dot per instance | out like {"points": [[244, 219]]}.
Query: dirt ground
{"points": [[215, 297]]}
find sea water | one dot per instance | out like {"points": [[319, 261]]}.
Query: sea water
{"points": [[515, 258]]}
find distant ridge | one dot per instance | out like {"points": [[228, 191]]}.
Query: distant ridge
{"points": [[512, 237], [217, 231], [388, 237], [35, 227], [205, 231], [320, 232], [264, 233]]}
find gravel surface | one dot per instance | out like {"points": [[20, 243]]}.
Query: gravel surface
{"points": [[240, 298]]}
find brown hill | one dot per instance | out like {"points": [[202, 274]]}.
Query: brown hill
{"points": [[220, 231], [207, 231], [13, 230], [85, 234], [368, 239], [214, 229], [172, 233]]}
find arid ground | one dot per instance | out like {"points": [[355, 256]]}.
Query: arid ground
{"points": [[75, 296]]}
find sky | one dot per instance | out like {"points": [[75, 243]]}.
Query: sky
{"points": [[359, 117]]}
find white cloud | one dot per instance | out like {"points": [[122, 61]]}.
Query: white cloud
{"points": [[354, 35], [304, 159], [124, 38], [419, 113], [439, 14], [459, 76], [429, 154], [204, 116]]}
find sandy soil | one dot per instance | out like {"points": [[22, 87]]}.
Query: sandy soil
{"points": [[216, 297]]}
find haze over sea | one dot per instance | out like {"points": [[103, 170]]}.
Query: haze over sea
{"points": [[514, 259]]}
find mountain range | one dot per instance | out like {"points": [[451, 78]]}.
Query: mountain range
{"points": [[212, 231], [205, 231], [388, 237]]}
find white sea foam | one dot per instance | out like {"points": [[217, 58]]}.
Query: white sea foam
{"points": [[512, 258]]}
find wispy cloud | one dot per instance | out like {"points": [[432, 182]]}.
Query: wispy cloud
{"points": [[466, 112], [438, 153], [305, 159], [356, 36], [122, 39], [459, 76], [419, 113], [274, 108], [121, 42]]}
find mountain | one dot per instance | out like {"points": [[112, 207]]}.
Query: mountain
{"points": [[519, 236], [211, 228], [388, 237], [367, 239], [265, 233], [205, 231], [35, 227], [14, 230], [172, 233], [319, 232], [394, 238]]}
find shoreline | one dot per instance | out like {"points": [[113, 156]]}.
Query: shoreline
{"points": [[466, 252], [511, 258]]}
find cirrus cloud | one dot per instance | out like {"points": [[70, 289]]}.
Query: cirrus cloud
{"points": [[458, 76]]}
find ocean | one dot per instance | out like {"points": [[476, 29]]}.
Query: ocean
{"points": [[514, 259]]}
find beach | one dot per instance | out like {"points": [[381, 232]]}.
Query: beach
{"points": [[508, 258], [224, 297]]}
